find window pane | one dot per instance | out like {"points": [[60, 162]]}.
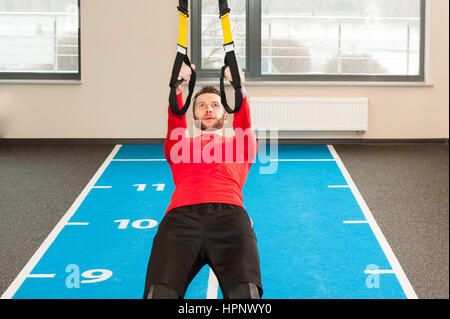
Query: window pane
{"points": [[212, 35], [345, 37], [39, 36]]}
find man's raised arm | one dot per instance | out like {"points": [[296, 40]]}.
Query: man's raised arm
{"points": [[176, 125], [245, 140]]}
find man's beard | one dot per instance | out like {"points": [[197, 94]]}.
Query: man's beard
{"points": [[217, 126]]}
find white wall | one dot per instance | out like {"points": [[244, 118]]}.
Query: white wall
{"points": [[129, 100]]}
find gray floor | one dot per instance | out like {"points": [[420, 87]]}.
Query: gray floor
{"points": [[406, 187]]}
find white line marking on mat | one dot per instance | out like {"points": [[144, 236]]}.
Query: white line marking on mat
{"points": [[41, 275], [379, 271], [300, 160], [77, 224], [213, 285], [355, 222], [140, 160], [396, 267], [12, 289]]}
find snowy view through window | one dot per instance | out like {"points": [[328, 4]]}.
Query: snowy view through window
{"points": [[329, 37], [356, 37], [39, 36]]}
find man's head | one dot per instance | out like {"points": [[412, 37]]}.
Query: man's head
{"points": [[208, 111]]}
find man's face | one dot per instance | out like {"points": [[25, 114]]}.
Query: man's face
{"points": [[209, 112]]}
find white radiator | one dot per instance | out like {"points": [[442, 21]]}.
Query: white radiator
{"points": [[309, 114]]}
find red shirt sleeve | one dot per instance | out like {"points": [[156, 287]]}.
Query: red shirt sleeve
{"points": [[176, 128], [244, 141]]}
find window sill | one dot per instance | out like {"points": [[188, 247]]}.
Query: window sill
{"points": [[323, 84], [41, 82]]}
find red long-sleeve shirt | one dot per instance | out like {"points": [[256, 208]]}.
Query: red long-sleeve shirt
{"points": [[209, 168]]}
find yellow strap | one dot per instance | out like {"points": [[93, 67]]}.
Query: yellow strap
{"points": [[226, 27], [182, 34]]}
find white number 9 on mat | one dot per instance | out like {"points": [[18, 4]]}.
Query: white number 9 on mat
{"points": [[96, 275]]}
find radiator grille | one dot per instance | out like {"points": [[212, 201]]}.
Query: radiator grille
{"points": [[309, 114]]}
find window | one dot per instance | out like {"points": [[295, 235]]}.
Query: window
{"points": [[212, 40], [314, 40], [39, 39]]}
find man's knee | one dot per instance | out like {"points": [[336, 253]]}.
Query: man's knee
{"points": [[247, 290], [162, 291]]}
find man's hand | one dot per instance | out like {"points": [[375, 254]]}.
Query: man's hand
{"points": [[229, 78], [185, 74]]}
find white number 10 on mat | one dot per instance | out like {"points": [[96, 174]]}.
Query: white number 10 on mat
{"points": [[139, 224]]}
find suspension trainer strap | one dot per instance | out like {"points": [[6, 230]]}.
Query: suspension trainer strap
{"points": [[230, 61], [179, 59]]}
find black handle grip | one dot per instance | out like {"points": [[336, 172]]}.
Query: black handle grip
{"points": [[175, 82], [231, 61]]}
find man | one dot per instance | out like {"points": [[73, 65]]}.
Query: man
{"points": [[206, 222]]}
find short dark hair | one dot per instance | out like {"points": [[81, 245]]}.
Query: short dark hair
{"points": [[204, 90]]}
